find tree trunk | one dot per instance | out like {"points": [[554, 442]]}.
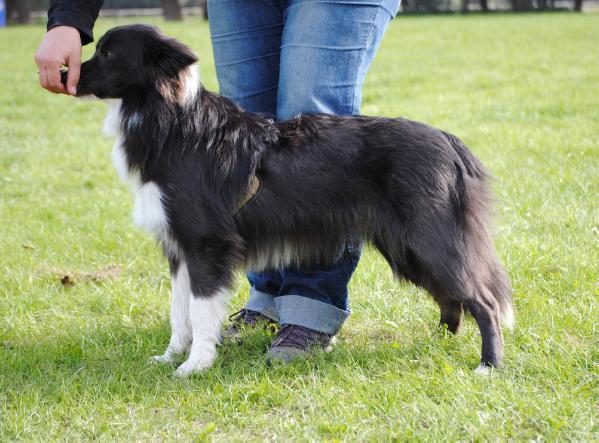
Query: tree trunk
{"points": [[522, 5], [431, 6], [484, 6], [21, 9], [409, 5], [464, 7], [171, 10], [204, 6], [578, 5]]}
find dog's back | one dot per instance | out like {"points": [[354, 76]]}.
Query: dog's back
{"points": [[417, 193]]}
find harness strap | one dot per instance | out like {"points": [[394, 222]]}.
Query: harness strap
{"points": [[253, 189]]}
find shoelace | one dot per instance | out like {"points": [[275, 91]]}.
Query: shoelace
{"points": [[298, 337], [249, 317]]}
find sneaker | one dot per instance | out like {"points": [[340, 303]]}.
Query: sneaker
{"points": [[243, 319], [293, 342]]}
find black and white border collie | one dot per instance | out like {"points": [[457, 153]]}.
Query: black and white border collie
{"points": [[193, 159]]}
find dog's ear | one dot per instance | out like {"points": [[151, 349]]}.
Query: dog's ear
{"points": [[170, 56]]}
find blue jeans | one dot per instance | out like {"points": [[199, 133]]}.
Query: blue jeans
{"points": [[286, 57]]}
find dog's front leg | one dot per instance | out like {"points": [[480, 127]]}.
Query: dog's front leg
{"points": [[181, 334], [207, 312]]}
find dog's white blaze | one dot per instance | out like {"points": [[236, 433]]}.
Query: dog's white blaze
{"points": [[181, 332], [206, 314], [148, 210]]}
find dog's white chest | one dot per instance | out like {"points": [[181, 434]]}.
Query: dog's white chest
{"points": [[148, 208]]}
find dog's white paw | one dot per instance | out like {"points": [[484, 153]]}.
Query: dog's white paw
{"points": [[483, 370], [164, 358], [191, 367]]}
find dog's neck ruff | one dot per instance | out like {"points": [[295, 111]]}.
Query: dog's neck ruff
{"points": [[115, 126], [184, 88]]}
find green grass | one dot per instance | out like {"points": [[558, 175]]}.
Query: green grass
{"points": [[522, 91]]}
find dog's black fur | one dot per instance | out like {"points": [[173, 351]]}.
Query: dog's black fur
{"points": [[415, 192]]}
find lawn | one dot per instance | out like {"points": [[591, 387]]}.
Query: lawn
{"points": [[84, 294]]}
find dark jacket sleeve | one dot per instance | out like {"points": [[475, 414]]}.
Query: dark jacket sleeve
{"points": [[78, 14]]}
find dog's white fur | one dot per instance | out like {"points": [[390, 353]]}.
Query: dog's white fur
{"points": [[181, 333], [507, 318], [206, 315], [148, 211], [195, 319]]}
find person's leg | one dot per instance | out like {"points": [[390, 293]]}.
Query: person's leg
{"points": [[326, 51], [317, 298], [327, 48], [246, 38]]}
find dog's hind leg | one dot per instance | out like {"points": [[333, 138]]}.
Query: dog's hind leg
{"points": [[493, 302], [406, 264], [453, 284], [180, 325], [452, 313], [486, 313], [443, 270]]}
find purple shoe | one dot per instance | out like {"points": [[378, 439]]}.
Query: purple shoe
{"points": [[293, 342]]}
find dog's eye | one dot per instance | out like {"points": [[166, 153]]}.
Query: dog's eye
{"points": [[106, 53]]}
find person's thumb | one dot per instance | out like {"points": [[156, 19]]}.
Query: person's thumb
{"points": [[74, 64]]}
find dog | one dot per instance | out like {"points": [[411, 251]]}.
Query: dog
{"points": [[222, 189]]}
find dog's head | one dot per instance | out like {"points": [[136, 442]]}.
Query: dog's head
{"points": [[134, 58]]}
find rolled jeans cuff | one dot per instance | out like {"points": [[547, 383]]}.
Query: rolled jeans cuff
{"points": [[263, 303], [309, 313]]}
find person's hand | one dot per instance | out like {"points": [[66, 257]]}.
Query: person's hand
{"points": [[61, 46]]}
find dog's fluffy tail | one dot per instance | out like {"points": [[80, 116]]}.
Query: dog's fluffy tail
{"points": [[473, 202]]}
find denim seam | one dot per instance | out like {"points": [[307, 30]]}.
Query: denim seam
{"points": [[338, 3], [260, 28], [271, 54], [333, 48], [255, 93], [363, 56]]}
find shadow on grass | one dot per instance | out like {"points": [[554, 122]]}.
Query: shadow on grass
{"points": [[118, 356]]}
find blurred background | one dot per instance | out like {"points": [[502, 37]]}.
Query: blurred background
{"points": [[27, 11]]}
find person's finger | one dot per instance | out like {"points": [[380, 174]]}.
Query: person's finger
{"points": [[54, 84], [43, 77], [41, 70], [73, 75]]}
